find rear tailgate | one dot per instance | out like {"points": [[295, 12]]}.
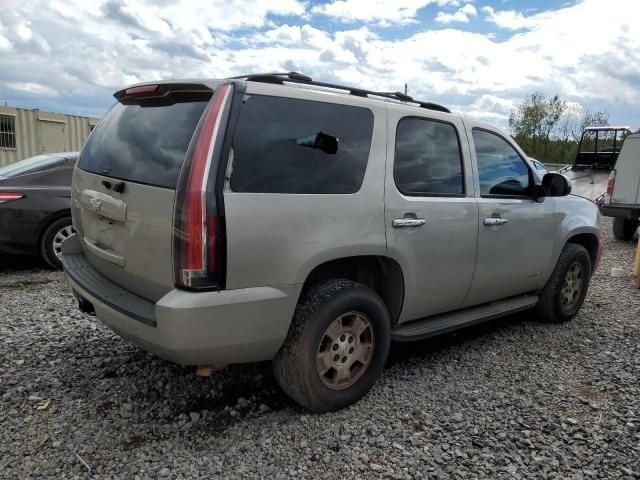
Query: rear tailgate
{"points": [[124, 186], [626, 189]]}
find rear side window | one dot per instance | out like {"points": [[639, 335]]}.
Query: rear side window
{"points": [[427, 158], [286, 145], [502, 171], [143, 143]]}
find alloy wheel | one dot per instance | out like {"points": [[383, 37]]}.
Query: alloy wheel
{"points": [[572, 286], [345, 350], [60, 236]]}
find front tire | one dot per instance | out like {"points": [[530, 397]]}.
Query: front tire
{"points": [[52, 238], [336, 347], [624, 229], [563, 295]]}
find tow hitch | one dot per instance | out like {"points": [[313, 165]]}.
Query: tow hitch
{"points": [[86, 307]]}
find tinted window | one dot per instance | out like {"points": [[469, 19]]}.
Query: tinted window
{"points": [[31, 165], [539, 166], [143, 143], [285, 145], [501, 170], [427, 159]]}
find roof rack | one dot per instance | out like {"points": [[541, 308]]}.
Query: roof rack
{"points": [[296, 77]]}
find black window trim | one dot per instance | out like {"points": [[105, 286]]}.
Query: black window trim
{"points": [[530, 195], [462, 168]]}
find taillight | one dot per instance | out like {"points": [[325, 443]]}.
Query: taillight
{"points": [[198, 227], [610, 182], [10, 196], [141, 89]]}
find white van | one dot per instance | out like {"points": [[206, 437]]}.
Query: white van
{"points": [[622, 200]]}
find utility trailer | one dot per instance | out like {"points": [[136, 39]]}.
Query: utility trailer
{"points": [[586, 182], [599, 147]]}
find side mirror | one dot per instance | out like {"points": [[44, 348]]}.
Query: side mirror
{"points": [[321, 141], [555, 185]]}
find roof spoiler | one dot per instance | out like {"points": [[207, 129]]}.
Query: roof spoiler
{"points": [[143, 91]]}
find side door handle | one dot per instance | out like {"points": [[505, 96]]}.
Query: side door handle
{"points": [[495, 221], [408, 222]]}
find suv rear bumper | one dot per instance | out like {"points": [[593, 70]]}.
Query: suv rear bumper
{"points": [[630, 212], [204, 328]]}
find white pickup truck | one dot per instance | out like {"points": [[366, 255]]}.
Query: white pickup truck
{"points": [[622, 200]]}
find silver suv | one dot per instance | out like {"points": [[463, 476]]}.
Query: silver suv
{"points": [[271, 217]]}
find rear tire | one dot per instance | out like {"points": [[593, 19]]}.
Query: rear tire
{"points": [[624, 229], [336, 348], [52, 239], [563, 295]]}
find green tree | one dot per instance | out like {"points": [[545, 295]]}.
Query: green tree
{"points": [[549, 128]]}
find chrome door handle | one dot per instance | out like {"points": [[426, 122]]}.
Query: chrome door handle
{"points": [[408, 222], [495, 221]]}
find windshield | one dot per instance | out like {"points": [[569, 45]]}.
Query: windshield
{"points": [[30, 165]]}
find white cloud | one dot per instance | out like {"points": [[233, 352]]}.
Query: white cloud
{"points": [[4, 43], [34, 88], [84, 51], [490, 108], [509, 19], [383, 12], [305, 35], [460, 15]]}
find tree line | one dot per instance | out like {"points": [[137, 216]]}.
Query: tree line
{"points": [[549, 128]]}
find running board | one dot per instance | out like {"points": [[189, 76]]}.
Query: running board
{"points": [[447, 322]]}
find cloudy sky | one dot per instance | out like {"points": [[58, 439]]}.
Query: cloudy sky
{"points": [[480, 57]]}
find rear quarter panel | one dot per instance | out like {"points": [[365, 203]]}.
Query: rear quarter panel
{"points": [[47, 197]]}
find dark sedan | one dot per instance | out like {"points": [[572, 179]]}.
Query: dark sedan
{"points": [[35, 205]]}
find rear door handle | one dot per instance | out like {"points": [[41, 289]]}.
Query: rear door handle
{"points": [[495, 221], [408, 222]]}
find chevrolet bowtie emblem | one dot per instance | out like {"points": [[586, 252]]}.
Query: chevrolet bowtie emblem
{"points": [[95, 203]]}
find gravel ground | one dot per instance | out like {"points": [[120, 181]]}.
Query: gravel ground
{"points": [[510, 399]]}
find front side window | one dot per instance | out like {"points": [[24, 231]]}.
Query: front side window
{"points": [[539, 166], [427, 158], [502, 171], [287, 145]]}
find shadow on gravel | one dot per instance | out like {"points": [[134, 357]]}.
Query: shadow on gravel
{"points": [[401, 351], [239, 381], [18, 263]]}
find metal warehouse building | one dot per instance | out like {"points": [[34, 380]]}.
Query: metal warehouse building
{"points": [[24, 133]]}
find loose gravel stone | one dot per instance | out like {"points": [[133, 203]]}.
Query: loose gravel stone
{"points": [[514, 398]]}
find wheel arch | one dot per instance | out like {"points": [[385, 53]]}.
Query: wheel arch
{"points": [[590, 242], [378, 272], [49, 219]]}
